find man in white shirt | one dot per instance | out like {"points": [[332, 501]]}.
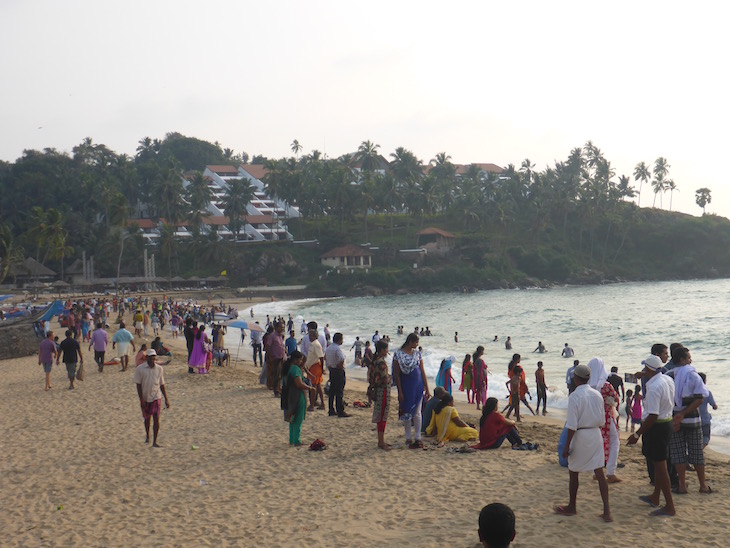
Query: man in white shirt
{"points": [[584, 447], [314, 367], [150, 381], [656, 430], [334, 357]]}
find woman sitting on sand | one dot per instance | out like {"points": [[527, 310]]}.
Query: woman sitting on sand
{"points": [[379, 390], [293, 398], [494, 429], [445, 420], [141, 356]]}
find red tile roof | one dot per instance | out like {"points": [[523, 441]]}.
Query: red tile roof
{"points": [[438, 231], [145, 223], [348, 250], [255, 170], [223, 170]]}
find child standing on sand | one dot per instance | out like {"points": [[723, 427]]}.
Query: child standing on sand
{"points": [[629, 402], [636, 408]]}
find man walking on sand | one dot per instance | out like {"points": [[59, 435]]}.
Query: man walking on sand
{"points": [[99, 340], [656, 430], [123, 339], [71, 349], [150, 381], [46, 354], [584, 447]]}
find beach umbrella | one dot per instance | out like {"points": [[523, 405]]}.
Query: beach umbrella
{"points": [[243, 324]]}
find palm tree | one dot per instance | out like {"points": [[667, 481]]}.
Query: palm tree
{"points": [[642, 174], [703, 197], [671, 186], [168, 245], [625, 190], [661, 169], [199, 196], [10, 252], [296, 148], [238, 194], [526, 169], [368, 156]]}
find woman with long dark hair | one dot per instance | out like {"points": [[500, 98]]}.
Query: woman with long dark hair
{"points": [[467, 378], [410, 378], [379, 390], [480, 377], [293, 398], [447, 424], [199, 355], [494, 429]]}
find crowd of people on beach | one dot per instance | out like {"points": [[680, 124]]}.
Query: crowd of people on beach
{"points": [[88, 321], [667, 407]]}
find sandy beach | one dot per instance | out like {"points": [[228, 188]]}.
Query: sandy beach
{"points": [[75, 471]]}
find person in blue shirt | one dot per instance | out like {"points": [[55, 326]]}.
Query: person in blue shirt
{"points": [[291, 343]]}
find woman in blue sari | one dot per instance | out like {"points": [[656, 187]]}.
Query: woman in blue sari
{"points": [[444, 377], [410, 378]]}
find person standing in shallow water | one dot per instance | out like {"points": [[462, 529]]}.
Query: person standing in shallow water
{"points": [[541, 389]]}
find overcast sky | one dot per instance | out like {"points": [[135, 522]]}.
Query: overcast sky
{"points": [[480, 81]]}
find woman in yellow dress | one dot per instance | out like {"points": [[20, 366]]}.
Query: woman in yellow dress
{"points": [[447, 424]]}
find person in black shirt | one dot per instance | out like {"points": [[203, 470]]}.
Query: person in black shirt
{"points": [[616, 381], [189, 339], [71, 350]]}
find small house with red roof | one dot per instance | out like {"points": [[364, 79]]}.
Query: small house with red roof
{"points": [[348, 257], [436, 241]]}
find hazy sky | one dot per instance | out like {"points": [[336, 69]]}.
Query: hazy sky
{"points": [[480, 81]]}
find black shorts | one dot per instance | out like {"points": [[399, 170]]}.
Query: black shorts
{"points": [[655, 442]]}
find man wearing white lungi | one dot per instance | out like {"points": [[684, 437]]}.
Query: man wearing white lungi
{"points": [[584, 448]]}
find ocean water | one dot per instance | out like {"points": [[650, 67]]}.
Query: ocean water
{"points": [[617, 322]]}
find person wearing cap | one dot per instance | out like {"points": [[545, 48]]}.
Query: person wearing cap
{"points": [[444, 377], [685, 445], [150, 380], [656, 430], [584, 447]]}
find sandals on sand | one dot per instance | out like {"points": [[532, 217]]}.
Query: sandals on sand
{"points": [[563, 511], [647, 500], [418, 444]]}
